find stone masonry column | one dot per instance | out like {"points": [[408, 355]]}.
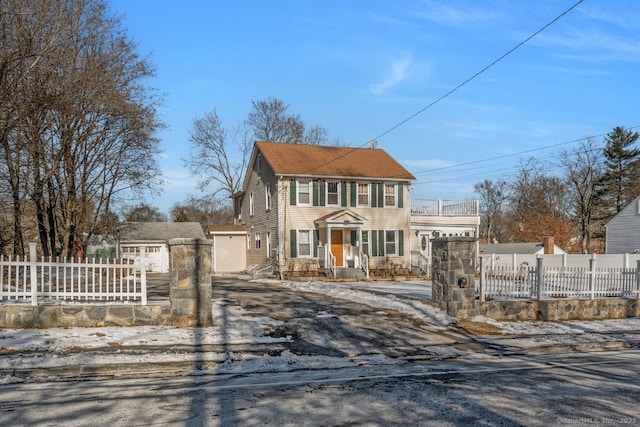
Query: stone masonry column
{"points": [[453, 275], [190, 270]]}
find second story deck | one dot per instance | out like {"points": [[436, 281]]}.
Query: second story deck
{"points": [[437, 207]]}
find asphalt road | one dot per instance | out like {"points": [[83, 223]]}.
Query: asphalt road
{"points": [[428, 376], [549, 390]]}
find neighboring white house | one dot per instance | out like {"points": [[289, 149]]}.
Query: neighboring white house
{"points": [[154, 237], [439, 218], [229, 249], [623, 230]]}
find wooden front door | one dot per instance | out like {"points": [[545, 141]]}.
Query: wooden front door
{"points": [[336, 246]]}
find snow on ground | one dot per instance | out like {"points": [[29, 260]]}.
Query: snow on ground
{"points": [[27, 348]]}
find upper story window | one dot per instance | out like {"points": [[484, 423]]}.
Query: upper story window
{"points": [[390, 195], [363, 194], [259, 163], [333, 193], [304, 192], [251, 204], [267, 196]]}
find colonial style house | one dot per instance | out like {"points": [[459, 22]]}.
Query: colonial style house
{"points": [[312, 209]]}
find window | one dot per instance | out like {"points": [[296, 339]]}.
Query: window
{"points": [[257, 239], [259, 163], [251, 203], [267, 196], [365, 242], [303, 192], [333, 193], [390, 242], [389, 195], [363, 194], [304, 243]]}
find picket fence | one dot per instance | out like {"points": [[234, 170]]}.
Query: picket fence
{"points": [[539, 281], [48, 281]]}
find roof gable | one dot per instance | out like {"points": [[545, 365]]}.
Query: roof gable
{"points": [[159, 231], [318, 160]]}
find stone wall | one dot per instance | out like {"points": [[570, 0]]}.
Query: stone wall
{"points": [[83, 316], [560, 310], [189, 302]]}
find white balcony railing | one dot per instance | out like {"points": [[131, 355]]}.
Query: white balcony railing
{"points": [[437, 207]]}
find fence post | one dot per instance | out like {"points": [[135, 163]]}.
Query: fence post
{"points": [[539, 276], [33, 273], [482, 280], [592, 273], [638, 279], [143, 275]]}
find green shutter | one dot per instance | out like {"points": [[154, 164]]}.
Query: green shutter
{"points": [[374, 195], [294, 244], [400, 201], [401, 242], [322, 190], [315, 193], [381, 242], [354, 194], [316, 238], [380, 195], [374, 243], [343, 194], [292, 193]]}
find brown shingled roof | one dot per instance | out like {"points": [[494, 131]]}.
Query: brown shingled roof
{"points": [[318, 160]]}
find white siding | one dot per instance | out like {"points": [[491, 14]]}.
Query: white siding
{"points": [[623, 231]]}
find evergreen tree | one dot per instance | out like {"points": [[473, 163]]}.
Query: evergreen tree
{"points": [[620, 183]]}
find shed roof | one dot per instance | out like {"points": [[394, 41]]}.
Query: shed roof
{"points": [[319, 160], [511, 248], [159, 231], [225, 228]]}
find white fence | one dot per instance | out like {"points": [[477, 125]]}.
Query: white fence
{"points": [[47, 281], [542, 281]]}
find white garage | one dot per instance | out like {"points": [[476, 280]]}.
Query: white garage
{"points": [[229, 248]]}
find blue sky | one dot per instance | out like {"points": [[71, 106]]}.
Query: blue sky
{"points": [[359, 68]]}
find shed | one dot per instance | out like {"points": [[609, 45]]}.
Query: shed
{"points": [[229, 247], [154, 237]]}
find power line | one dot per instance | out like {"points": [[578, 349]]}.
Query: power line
{"points": [[510, 51]]}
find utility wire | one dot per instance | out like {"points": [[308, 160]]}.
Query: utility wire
{"points": [[414, 115]]}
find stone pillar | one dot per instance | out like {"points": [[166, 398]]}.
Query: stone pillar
{"points": [[453, 275], [190, 269]]}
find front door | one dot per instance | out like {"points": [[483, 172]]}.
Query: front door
{"points": [[336, 246]]}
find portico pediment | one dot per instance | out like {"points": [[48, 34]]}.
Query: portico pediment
{"points": [[341, 218]]}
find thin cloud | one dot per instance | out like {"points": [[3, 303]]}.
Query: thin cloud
{"points": [[397, 73], [450, 16]]}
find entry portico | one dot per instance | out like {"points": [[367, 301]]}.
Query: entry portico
{"points": [[342, 232]]}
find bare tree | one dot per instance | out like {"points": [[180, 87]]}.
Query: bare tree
{"points": [[219, 156], [143, 212], [202, 210], [583, 169], [493, 195], [82, 120]]}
